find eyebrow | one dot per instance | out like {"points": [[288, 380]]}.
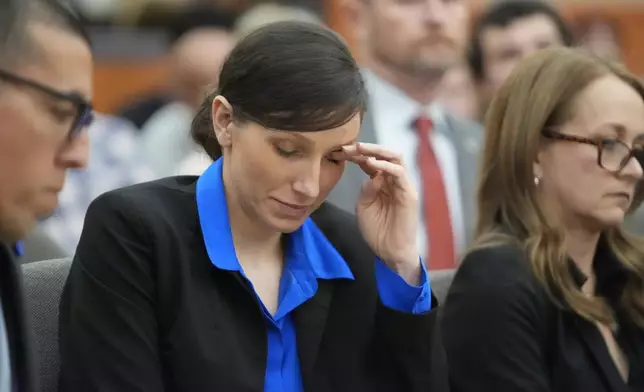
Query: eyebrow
{"points": [[619, 129]]}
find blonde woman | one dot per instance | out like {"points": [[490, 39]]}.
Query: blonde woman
{"points": [[551, 297]]}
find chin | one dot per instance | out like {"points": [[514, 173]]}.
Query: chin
{"points": [[610, 218], [285, 225], [15, 228], [282, 220]]}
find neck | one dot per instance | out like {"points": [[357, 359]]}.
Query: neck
{"points": [[254, 243], [581, 248], [420, 86]]}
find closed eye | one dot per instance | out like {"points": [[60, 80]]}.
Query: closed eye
{"points": [[285, 153], [63, 115]]}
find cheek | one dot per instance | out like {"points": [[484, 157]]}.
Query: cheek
{"points": [[330, 174], [25, 153], [457, 28], [499, 72], [260, 170], [579, 180]]}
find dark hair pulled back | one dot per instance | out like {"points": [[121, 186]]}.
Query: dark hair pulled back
{"points": [[288, 76]]}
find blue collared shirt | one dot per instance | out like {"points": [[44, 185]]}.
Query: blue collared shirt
{"points": [[309, 257]]}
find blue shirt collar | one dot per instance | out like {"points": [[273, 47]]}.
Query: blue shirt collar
{"points": [[19, 249], [306, 243]]}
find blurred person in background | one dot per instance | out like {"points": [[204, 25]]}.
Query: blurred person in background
{"points": [[550, 296], [505, 33], [45, 92], [600, 37], [115, 161], [457, 93], [197, 161], [195, 63], [263, 14], [408, 47]]}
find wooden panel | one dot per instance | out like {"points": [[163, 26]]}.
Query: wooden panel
{"points": [[628, 18], [116, 82]]}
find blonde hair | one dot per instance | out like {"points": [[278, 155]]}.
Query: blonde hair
{"points": [[539, 94]]}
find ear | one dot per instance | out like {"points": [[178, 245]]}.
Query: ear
{"points": [[537, 168], [222, 120]]}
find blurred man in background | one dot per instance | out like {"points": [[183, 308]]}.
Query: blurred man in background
{"points": [[506, 33], [457, 92], [115, 162], [45, 92], [195, 63], [408, 46]]}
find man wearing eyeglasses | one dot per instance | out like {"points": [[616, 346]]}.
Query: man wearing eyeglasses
{"points": [[45, 88]]}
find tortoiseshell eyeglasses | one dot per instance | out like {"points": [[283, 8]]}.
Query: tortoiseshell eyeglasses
{"points": [[612, 154]]}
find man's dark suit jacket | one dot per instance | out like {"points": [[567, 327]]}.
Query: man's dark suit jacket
{"points": [[12, 307], [145, 310]]}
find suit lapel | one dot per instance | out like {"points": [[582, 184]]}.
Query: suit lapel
{"points": [[310, 319], [310, 322], [467, 144], [595, 344]]}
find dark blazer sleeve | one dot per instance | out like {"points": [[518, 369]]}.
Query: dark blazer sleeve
{"points": [[402, 344], [494, 325], [108, 327]]}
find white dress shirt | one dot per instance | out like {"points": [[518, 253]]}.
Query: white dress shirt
{"points": [[165, 138], [393, 114]]}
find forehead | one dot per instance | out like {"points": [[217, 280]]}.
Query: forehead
{"points": [[62, 59], [537, 28], [436, 7], [608, 104], [342, 135]]}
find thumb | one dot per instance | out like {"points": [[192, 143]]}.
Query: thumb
{"points": [[370, 188]]}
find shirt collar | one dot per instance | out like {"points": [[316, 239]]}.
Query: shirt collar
{"points": [[389, 101], [19, 249], [306, 243]]}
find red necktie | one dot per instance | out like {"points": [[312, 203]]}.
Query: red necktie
{"points": [[436, 213]]}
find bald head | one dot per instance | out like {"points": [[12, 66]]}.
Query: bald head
{"points": [[197, 58]]}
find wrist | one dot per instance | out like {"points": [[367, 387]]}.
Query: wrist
{"points": [[409, 269]]}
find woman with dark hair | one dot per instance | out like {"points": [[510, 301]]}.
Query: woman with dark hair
{"points": [[244, 279]]}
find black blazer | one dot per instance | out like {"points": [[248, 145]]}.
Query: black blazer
{"points": [[12, 307], [502, 333], [144, 309]]}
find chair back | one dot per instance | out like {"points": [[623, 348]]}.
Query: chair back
{"points": [[43, 284], [440, 281]]}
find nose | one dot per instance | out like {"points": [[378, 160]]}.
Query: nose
{"points": [[74, 154], [308, 183], [434, 12], [633, 169]]}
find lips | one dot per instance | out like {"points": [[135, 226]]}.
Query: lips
{"points": [[624, 195], [294, 206]]}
